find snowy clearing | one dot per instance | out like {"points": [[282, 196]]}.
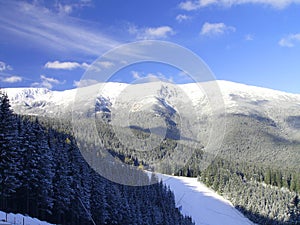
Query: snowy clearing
{"points": [[17, 219], [201, 203]]}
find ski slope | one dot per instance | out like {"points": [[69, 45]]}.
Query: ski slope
{"points": [[201, 203], [17, 219]]}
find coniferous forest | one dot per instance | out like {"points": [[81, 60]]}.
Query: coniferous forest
{"points": [[263, 193], [43, 174]]}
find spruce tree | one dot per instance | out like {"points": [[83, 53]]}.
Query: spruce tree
{"points": [[9, 158]]}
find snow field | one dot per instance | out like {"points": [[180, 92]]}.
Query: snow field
{"points": [[201, 203]]}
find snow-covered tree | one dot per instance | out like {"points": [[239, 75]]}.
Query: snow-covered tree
{"points": [[9, 156]]}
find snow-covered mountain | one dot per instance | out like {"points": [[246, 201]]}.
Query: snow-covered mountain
{"points": [[262, 126], [163, 99], [259, 121], [238, 98]]}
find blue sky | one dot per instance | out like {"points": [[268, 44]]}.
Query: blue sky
{"points": [[51, 43]]}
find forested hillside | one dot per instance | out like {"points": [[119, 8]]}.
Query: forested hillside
{"points": [[43, 174], [257, 166], [265, 193]]}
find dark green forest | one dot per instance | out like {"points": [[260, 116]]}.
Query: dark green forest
{"points": [[43, 175]]}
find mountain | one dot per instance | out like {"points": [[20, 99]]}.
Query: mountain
{"points": [[262, 125], [44, 175], [242, 141], [279, 106]]}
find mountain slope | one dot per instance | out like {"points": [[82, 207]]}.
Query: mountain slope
{"points": [[279, 106], [259, 154], [262, 125], [44, 175], [238, 98], [201, 203]]}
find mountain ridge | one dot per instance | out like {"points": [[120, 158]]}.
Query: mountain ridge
{"points": [[259, 121]]}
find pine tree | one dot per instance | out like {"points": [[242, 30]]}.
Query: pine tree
{"points": [[30, 167], [62, 181], [98, 200], [45, 166], [9, 158]]}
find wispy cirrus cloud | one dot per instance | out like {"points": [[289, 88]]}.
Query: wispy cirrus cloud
{"points": [[47, 82], [65, 65], [161, 32], [71, 6], [51, 30], [290, 40], [12, 79], [212, 29], [192, 5]]}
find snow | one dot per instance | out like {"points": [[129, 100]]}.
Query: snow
{"points": [[198, 201], [201, 203], [238, 98], [17, 219], [31, 95]]}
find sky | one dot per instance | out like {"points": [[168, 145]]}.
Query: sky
{"points": [[51, 43]]}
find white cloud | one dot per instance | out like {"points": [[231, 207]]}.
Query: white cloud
{"points": [[158, 32], [194, 5], [12, 79], [84, 83], [52, 31], [149, 77], [182, 17], [50, 79], [290, 40], [152, 77], [197, 4], [64, 9], [106, 64], [211, 29], [47, 82], [135, 75], [189, 5], [65, 65], [69, 8], [4, 66], [161, 32]]}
